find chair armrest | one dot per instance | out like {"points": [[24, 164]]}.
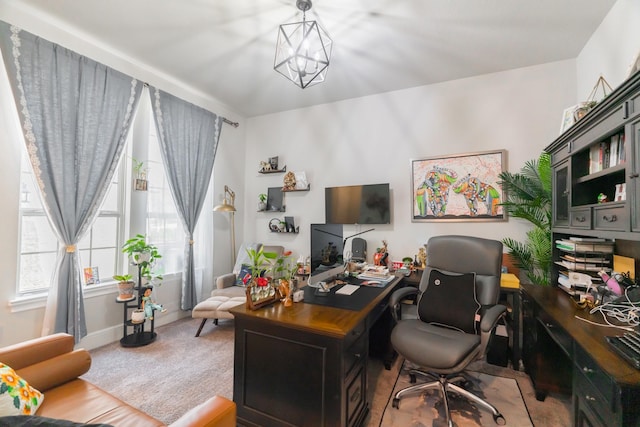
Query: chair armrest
{"points": [[225, 281], [397, 296], [218, 411], [490, 317]]}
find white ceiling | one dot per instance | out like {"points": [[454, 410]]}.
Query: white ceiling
{"points": [[225, 48]]}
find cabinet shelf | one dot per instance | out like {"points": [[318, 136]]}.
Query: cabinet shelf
{"points": [[619, 169]]}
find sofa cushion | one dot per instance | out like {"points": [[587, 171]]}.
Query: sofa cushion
{"points": [[17, 397]]}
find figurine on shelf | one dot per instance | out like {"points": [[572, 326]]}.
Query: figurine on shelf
{"points": [[265, 166], [602, 198], [289, 181], [148, 305]]}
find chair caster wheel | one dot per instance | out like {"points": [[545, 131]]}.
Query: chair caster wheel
{"points": [[412, 378], [499, 419], [396, 403]]}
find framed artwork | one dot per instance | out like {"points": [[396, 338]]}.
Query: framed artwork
{"points": [[574, 113], [274, 199], [458, 187]]}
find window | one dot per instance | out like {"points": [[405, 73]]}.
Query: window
{"points": [[100, 247], [39, 245], [164, 227]]}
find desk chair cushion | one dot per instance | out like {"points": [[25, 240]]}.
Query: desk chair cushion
{"points": [[434, 346], [448, 293]]}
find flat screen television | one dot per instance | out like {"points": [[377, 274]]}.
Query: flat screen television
{"points": [[357, 204], [326, 252]]}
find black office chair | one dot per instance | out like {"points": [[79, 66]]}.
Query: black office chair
{"points": [[457, 310]]}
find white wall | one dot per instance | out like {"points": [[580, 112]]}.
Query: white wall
{"points": [[611, 49], [372, 140]]}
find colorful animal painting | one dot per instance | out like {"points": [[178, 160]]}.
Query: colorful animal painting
{"points": [[434, 191], [475, 191]]}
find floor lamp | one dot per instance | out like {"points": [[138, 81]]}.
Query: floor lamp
{"points": [[229, 206]]}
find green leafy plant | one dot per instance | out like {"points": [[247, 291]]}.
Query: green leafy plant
{"points": [[262, 197], [528, 197], [144, 255], [139, 169], [284, 267], [123, 277], [259, 260]]}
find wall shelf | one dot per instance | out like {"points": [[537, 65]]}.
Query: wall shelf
{"points": [[268, 171], [296, 189]]}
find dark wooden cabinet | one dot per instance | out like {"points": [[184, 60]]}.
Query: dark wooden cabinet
{"points": [[305, 365], [565, 354]]}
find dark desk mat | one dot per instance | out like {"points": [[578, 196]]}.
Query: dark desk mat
{"points": [[356, 301]]}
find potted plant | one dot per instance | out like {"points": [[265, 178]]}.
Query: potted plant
{"points": [[140, 172], [144, 255], [262, 202], [529, 198], [125, 286], [259, 291]]}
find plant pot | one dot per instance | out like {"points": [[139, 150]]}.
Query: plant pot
{"points": [[137, 316], [140, 257], [125, 290], [262, 206]]}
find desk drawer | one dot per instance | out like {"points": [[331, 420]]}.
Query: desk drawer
{"points": [[610, 218], [355, 334], [355, 354], [559, 335], [592, 373], [590, 396], [580, 218]]}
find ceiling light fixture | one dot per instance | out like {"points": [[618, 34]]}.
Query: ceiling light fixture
{"points": [[303, 50]]}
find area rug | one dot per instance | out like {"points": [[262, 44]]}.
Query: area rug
{"points": [[423, 409]]}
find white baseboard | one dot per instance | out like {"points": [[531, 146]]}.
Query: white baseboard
{"points": [[114, 333]]}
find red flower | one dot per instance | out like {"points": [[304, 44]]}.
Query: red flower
{"points": [[287, 253], [261, 281]]}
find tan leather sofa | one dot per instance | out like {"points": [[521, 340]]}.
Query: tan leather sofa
{"points": [[50, 364]]}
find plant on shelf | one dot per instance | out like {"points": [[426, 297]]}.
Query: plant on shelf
{"points": [[529, 198], [125, 286], [262, 202], [144, 255]]}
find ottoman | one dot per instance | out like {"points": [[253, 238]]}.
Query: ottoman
{"points": [[217, 306]]}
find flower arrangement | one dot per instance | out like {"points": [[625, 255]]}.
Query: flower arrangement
{"points": [[284, 267], [259, 291]]}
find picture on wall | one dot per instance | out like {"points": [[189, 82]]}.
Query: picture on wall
{"points": [[458, 187]]}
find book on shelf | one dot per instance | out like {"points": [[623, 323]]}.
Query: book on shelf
{"points": [[613, 150], [572, 246]]}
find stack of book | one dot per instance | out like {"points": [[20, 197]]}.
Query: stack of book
{"points": [[581, 259], [607, 154]]}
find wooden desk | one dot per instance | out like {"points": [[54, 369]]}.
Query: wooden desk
{"points": [[562, 353], [304, 365]]}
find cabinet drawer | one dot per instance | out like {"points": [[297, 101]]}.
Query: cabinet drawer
{"points": [[613, 218], [581, 218], [600, 382], [355, 354], [354, 334], [559, 335], [584, 390], [356, 395]]}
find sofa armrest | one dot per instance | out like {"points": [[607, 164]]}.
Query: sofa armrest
{"points": [[36, 350], [218, 411], [58, 370], [225, 281]]}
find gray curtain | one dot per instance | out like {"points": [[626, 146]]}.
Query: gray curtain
{"points": [[188, 138], [75, 116]]}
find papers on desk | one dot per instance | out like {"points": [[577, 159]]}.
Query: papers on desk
{"points": [[347, 290]]}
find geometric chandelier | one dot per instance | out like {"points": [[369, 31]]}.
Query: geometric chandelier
{"points": [[303, 50]]}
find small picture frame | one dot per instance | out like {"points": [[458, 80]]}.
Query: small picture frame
{"points": [[569, 115], [274, 199]]}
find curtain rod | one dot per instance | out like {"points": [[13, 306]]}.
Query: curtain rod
{"points": [[224, 119]]}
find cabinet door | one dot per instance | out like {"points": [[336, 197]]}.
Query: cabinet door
{"points": [[633, 179], [561, 194]]}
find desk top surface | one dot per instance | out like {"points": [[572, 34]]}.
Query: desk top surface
{"points": [[317, 318], [590, 337]]}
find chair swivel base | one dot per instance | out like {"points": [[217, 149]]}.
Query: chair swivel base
{"points": [[445, 386]]}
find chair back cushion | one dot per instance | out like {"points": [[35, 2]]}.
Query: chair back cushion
{"points": [[465, 254], [450, 300]]}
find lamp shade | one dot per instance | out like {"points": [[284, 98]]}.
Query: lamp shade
{"points": [[224, 207]]}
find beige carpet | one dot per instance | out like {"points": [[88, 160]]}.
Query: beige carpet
{"points": [[178, 371]]}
